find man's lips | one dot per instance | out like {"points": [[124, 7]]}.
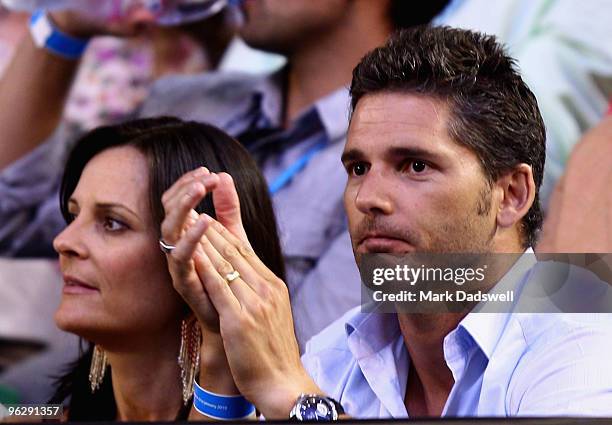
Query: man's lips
{"points": [[383, 243], [73, 285]]}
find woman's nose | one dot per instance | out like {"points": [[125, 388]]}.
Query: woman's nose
{"points": [[70, 242]]}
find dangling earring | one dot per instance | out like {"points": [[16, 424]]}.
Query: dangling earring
{"points": [[189, 356], [97, 369]]}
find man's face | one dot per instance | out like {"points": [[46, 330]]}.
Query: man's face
{"points": [[283, 26], [410, 187]]}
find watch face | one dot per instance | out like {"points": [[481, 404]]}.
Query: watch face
{"points": [[315, 409]]}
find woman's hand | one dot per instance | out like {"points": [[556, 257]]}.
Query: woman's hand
{"points": [[255, 319], [183, 228]]}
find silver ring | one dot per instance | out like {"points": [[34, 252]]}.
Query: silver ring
{"points": [[165, 247], [230, 277]]}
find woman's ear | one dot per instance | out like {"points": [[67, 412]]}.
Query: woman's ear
{"points": [[518, 194]]}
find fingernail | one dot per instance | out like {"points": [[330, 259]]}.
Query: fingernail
{"points": [[201, 171], [203, 220], [210, 178]]}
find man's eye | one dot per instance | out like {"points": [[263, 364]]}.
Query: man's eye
{"points": [[113, 225], [415, 166], [418, 166], [358, 169]]}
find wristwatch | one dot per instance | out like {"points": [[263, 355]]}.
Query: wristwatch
{"points": [[314, 407]]}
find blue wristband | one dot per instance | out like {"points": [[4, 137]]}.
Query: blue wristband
{"points": [[46, 35], [221, 407]]}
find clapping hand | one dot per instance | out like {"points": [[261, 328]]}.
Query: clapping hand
{"points": [[254, 312]]}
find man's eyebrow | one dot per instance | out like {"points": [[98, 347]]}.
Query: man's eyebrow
{"points": [[351, 155], [394, 152], [414, 152]]}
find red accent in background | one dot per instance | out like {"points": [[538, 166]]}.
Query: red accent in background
{"points": [[609, 108]]}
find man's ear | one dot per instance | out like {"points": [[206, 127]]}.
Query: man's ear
{"points": [[518, 193]]}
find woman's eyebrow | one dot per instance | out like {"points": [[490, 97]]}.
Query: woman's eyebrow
{"points": [[106, 206], [115, 206]]}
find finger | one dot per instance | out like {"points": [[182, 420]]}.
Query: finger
{"points": [[180, 259], [255, 273], [244, 249], [227, 258], [227, 206], [178, 208], [185, 178], [239, 286], [219, 292], [186, 246], [208, 180]]}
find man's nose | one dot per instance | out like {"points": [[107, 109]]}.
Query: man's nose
{"points": [[70, 242], [374, 196]]}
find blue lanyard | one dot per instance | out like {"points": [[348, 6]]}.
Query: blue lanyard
{"points": [[286, 176]]}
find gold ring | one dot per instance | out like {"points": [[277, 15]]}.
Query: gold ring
{"points": [[230, 277]]}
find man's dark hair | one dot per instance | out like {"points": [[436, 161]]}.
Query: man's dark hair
{"points": [[406, 14], [492, 111]]}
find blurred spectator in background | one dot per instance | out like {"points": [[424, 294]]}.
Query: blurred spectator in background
{"points": [[116, 74], [580, 218], [12, 28], [564, 52]]}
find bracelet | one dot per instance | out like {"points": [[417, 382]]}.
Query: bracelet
{"points": [[46, 35], [221, 407]]}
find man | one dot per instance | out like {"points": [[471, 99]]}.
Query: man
{"points": [[294, 122], [445, 153]]}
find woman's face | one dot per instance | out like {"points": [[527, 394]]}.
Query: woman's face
{"points": [[117, 288]]}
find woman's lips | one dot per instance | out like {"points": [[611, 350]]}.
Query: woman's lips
{"points": [[76, 287]]}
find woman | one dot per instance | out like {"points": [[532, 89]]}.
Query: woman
{"points": [[118, 292]]}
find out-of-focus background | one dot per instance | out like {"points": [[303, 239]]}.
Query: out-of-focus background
{"points": [[563, 48]]}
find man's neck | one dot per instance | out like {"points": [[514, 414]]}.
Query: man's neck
{"points": [[429, 378], [324, 64]]}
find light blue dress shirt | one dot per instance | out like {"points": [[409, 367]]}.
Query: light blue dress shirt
{"points": [[503, 364]]}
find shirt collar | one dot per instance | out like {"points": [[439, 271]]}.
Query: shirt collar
{"points": [[375, 342], [486, 328], [378, 329], [269, 92], [332, 109]]}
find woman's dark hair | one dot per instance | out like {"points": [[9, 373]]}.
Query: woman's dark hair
{"points": [[172, 148]]}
